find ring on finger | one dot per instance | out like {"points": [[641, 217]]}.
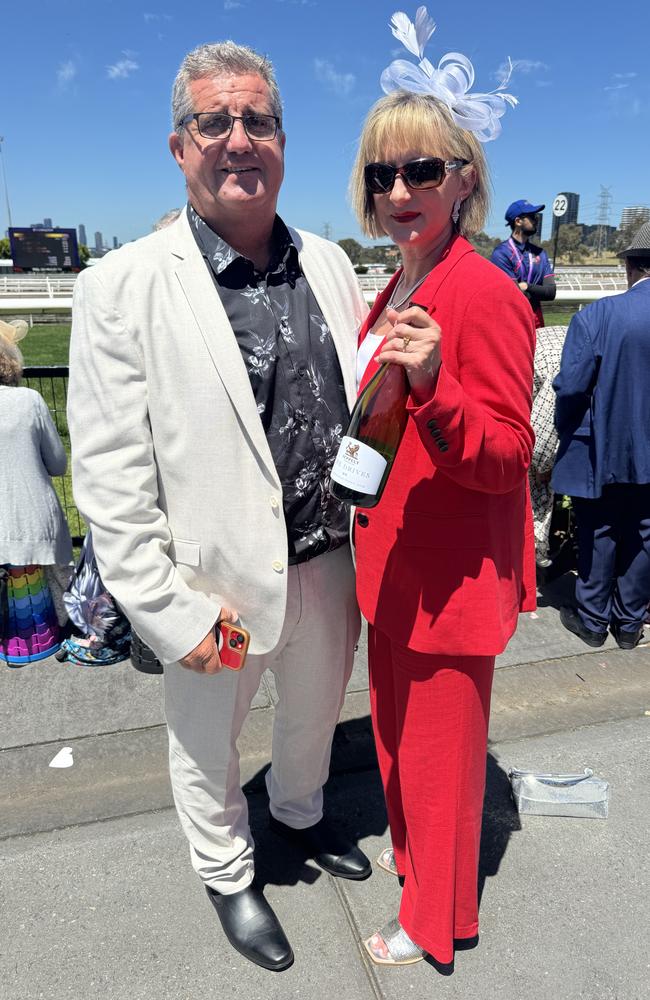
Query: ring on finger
{"points": [[406, 340]]}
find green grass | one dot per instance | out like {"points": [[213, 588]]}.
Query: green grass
{"points": [[49, 343], [53, 391], [560, 315], [46, 344]]}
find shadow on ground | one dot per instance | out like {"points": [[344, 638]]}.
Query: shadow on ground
{"points": [[557, 592], [500, 821], [362, 816]]}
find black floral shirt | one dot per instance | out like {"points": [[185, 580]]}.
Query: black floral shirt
{"points": [[295, 376]]}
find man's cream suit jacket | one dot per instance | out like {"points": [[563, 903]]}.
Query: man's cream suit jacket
{"points": [[171, 466]]}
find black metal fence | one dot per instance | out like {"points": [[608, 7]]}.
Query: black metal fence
{"points": [[52, 383]]}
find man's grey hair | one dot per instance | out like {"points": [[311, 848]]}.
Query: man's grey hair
{"points": [[220, 59], [166, 219]]}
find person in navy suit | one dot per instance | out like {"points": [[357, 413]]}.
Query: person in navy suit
{"points": [[602, 415]]}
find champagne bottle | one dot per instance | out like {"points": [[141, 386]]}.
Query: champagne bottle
{"points": [[367, 451]]}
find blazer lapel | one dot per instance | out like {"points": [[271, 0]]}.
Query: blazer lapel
{"points": [[212, 321], [454, 252], [456, 249], [328, 297]]}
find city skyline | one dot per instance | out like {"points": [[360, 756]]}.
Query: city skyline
{"points": [[629, 214], [105, 73], [632, 212], [80, 230]]}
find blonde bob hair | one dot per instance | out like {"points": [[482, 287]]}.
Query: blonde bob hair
{"points": [[403, 120], [11, 363]]}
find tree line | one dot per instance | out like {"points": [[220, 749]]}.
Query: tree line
{"points": [[577, 244]]}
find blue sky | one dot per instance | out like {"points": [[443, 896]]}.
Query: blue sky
{"points": [[85, 116]]}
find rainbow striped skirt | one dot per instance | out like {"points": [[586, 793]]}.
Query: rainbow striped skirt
{"points": [[29, 629]]}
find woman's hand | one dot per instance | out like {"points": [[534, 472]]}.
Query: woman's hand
{"points": [[414, 342]]}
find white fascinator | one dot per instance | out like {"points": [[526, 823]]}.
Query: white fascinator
{"points": [[13, 332], [451, 81]]}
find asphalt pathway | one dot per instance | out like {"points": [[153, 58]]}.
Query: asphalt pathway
{"points": [[98, 898]]}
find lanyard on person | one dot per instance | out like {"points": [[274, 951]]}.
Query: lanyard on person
{"points": [[520, 254]]}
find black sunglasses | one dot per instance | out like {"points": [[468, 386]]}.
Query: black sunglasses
{"points": [[429, 172], [219, 125]]}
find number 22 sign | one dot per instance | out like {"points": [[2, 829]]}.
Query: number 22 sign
{"points": [[560, 205]]}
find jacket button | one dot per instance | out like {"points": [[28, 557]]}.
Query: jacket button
{"points": [[432, 424], [443, 445], [274, 503], [437, 433], [362, 520], [277, 566]]}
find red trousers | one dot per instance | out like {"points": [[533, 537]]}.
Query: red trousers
{"points": [[430, 717]]}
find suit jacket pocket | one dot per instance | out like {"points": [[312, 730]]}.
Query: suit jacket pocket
{"points": [[183, 550]]}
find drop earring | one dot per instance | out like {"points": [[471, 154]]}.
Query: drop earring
{"points": [[455, 215]]}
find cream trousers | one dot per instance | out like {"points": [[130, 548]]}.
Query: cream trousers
{"points": [[312, 663]]}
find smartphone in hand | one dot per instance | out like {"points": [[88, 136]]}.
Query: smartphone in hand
{"points": [[232, 643]]}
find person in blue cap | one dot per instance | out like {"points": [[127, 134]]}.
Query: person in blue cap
{"points": [[523, 261]]}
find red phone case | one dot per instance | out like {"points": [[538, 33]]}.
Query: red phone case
{"points": [[232, 642]]}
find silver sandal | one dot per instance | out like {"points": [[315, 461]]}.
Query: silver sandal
{"points": [[386, 860], [401, 950]]}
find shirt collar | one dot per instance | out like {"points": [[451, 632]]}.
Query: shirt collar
{"points": [[220, 255], [522, 247]]}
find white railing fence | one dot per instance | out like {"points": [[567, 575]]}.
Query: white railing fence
{"points": [[574, 284], [31, 285], [34, 293]]}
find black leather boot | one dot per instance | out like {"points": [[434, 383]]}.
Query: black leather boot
{"points": [[252, 927], [325, 845]]}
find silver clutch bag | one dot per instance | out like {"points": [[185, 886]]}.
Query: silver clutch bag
{"points": [[581, 795]]}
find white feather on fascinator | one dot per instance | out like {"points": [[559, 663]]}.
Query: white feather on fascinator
{"points": [[13, 332], [450, 82]]}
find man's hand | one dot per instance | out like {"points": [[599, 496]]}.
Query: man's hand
{"points": [[204, 658]]}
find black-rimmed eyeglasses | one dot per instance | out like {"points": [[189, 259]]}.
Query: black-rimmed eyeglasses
{"points": [[219, 125], [428, 172]]}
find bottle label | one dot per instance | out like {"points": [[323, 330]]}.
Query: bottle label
{"points": [[358, 466]]}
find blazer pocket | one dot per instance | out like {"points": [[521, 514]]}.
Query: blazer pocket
{"points": [[465, 531], [184, 551]]}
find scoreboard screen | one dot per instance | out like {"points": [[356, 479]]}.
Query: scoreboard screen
{"points": [[44, 249]]}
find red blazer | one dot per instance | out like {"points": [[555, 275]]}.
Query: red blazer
{"points": [[446, 561]]}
